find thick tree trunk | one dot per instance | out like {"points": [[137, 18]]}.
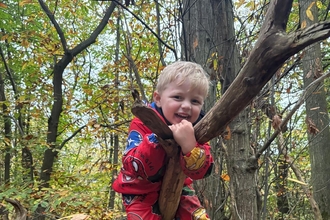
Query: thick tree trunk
{"points": [[317, 113], [242, 169], [205, 37], [209, 39]]}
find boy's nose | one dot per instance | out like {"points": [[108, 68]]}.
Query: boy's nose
{"points": [[186, 105]]}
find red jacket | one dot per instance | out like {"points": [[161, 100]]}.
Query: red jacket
{"points": [[144, 162]]}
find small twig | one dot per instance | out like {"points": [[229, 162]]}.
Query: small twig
{"points": [[288, 117], [139, 19]]}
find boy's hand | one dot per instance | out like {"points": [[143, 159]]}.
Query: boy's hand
{"points": [[184, 135]]}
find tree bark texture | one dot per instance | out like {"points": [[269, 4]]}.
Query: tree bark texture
{"points": [[208, 39], [317, 113], [242, 170]]}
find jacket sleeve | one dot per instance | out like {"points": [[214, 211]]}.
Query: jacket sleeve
{"points": [[198, 163], [143, 157]]}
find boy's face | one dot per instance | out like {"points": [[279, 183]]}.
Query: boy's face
{"points": [[179, 102]]}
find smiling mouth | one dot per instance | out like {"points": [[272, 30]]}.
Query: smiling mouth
{"points": [[182, 116]]}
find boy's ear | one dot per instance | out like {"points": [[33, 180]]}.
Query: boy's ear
{"points": [[156, 97]]}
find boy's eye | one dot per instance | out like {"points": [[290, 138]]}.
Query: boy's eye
{"points": [[195, 101], [177, 97]]}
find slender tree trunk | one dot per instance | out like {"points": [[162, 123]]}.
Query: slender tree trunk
{"points": [[56, 109], [317, 115], [26, 153], [7, 130], [115, 142]]}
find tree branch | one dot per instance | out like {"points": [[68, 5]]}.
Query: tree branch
{"points": [[13, 84], [154, 33], [83, 45], [272, 49], [311, 34], [72, 136], [277, 15], [288, 117], [56, 25], [307, 191]]}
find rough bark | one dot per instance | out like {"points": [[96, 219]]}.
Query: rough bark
{"points": [[273, 48], [317, 113], [242, 170], [207, 38]]}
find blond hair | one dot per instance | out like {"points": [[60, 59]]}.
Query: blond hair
{"points": [[181, 71]]}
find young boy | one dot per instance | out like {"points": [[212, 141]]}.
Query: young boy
{"points": [[178, 100]]}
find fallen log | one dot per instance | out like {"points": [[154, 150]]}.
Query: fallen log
{"points": [[20, 211]]}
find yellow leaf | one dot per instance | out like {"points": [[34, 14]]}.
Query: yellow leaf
{"points": [[240, 3], [309, 14], [215, 64], [3, 5], [25, 43], [297, 181], [63, 193], [22, 3], [25, 64], [7, 141], [310, 6], [225, 177], [195, 44], [303, 24], [226, 134], [319, 4]]}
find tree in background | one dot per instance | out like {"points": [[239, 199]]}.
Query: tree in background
{"points": [[317, 117], [202, 43]]}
